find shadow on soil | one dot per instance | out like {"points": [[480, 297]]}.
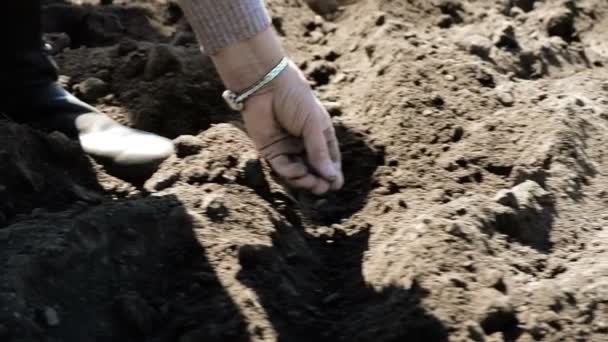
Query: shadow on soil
{"points": [[127, 271], [327, 298], [339, 306]]}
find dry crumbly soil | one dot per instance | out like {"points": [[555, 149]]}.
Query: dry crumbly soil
{"points": [[474, 135]]}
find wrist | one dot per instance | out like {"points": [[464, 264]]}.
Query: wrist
{"points": [[243, 64]]}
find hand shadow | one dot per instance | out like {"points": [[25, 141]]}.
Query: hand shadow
{"points": [[313, 289]]}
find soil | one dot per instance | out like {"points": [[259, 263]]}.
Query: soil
{"points": [[475, 139]]}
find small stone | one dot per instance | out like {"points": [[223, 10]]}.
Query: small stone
{"points": [[438, 195], [457, 134], [530, 192], [515, 12], [329, 27], [476, 44], [340, 78], [334, 108], [215, 208], [318, 20], [494, 311], [549, 316], [51, 317], [161, 60], [506, 98], [561, 23], [316, 37], [449, 78], [505, 38], [438, 101], [326, 232], [92, 89], [332, 55], [485, 78], [445, 21], [493, 278], [455, 229], [58, 41], [506, 198], [380, 19]]}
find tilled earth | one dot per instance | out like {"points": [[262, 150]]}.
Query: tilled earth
{"points": [[474, 135]]}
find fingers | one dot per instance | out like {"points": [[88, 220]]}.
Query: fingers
{"points": [[287, 168], [323, 151], [317, 152], [321, 188], [316, 185], [308, 182], [336, 157], [297, 174]]}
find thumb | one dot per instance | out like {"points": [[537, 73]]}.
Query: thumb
{"points": [[317, 151]]}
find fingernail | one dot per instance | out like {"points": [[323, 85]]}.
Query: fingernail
{"points": [[337, 166], [329, 171]]}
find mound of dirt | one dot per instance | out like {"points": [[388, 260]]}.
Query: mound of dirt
{"points": [[474, 137]]}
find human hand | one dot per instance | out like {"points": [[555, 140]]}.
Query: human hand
{"points": [[295, 134], [287, 123]]}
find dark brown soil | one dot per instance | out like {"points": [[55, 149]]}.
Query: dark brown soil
{"points": [[474, 136]]}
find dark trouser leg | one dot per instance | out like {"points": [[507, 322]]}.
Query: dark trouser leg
{"points": [[23, 59]]}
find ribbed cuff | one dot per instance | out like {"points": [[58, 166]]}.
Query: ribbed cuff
{"points": [[220, 23]]}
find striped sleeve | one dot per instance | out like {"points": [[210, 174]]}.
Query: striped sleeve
{"points": [[220, 23]]}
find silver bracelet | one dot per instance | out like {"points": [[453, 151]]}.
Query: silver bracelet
{"points": [[237, 101]]}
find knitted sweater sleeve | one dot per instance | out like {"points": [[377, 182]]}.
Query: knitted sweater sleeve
{"points": [[220, 23]]}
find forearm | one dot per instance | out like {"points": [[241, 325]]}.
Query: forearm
{"points": [[243, 64], [221, 23]]}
